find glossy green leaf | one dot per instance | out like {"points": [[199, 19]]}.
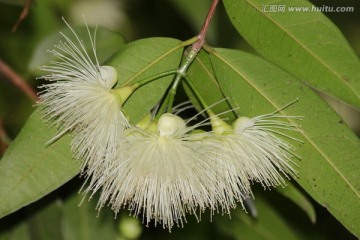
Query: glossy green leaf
{"points": [[329, 164], [305, 43], [29, 170], [107, 43], [203, 78], [144, 59]]}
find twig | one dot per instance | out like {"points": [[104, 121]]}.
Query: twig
{"points": [[189, 56], [23, 15], [17, 80], [201, 37], [4, 139]]}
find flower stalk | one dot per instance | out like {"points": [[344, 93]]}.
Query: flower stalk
{"points": [[188, 57]]}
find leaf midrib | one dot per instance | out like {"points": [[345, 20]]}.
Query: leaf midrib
{"points": [[152, 63], [290, 120], [337, 75]]}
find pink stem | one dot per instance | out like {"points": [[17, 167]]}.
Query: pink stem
{"points": [[17, 80], [201, 37]]}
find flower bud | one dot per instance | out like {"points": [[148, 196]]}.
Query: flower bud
{"points": [[170, 124], [109, 75], [123, 93], [145, 122], [218, 125], [242, 123]]}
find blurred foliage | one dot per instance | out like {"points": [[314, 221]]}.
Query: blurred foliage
{"points": [[57, 216]]}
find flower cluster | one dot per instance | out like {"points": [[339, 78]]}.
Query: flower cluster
{"points": [[166, 168]]}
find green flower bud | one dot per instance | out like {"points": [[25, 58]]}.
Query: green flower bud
{"points": [[218, 125]]}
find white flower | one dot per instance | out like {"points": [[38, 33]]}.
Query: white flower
{"points": [[80, 99], [161, 174], [255, 149], [270, 154]]}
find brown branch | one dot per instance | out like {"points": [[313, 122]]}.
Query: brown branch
{"points": [[17, 80], [4, 139], [23, 15], [201, 37]]}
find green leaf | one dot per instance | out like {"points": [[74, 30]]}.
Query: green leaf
{"points": [[39, 221], [305, 43], [83, 223], [329, 164], [291, 192], [62, 220], [269, 225], [107, 41], [46, 224], [18, 232], [143, 59], [29, 170], [203, 78]]}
